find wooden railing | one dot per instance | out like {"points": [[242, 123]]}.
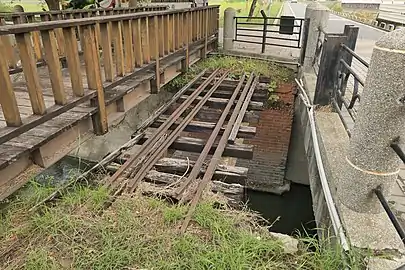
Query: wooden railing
{"points": [[114, 48], [34, 17], [19, 17]]}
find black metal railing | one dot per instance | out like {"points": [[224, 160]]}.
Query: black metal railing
{"points": [[341, 79], [351, 74], [267, 30], [390, 213]]}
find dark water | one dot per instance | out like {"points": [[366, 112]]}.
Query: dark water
{"points": [[294, 209], [63, 170]]}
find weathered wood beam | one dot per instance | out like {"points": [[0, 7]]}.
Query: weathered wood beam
{"points": [[221, 103], [234, 193], [230, 85], [209, 115], [196, 126], [196, 145], [227, 93], [225, 173]]}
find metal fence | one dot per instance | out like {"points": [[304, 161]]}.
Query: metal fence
{"points": [[284, 31], [350, 79], [341, 77]]}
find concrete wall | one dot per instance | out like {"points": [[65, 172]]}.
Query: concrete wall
{"points": [[297, 162]]}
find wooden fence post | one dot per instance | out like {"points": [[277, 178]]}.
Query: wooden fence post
{"points": [[54, 67], [99, 119], [328, 69], [187, 32], [118, 49], [205, 33], [106, 41], [7, 97], [73, 60], [154, 38], [9, 51], [29, 66]]}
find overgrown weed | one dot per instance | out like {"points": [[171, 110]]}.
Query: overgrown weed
{"points": [[142, 232], [237, 67]]}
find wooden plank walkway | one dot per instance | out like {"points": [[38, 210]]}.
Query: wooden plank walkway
{"points": [[46, 106], [14, 148], [36, 137]]}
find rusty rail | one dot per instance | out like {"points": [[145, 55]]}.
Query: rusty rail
{"points": [[197, 167], [143, 166], [217, 154], [173, 136], [238, 122], [161, 130]]}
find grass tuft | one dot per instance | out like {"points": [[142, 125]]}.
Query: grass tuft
{"points": [[139, 232], [39, 259], [237, 67]]}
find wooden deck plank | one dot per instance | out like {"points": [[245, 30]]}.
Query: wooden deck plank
{"points": [[10, 152], [38, 136]]}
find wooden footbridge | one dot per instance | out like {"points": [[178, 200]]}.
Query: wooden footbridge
{"points": [[69, 73]]}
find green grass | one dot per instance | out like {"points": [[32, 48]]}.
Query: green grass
{"points": [[28, 6], [361, 13], [4, 7], [237, 67], [275, 8], [243, 10], [139, 232], [335, 6]]}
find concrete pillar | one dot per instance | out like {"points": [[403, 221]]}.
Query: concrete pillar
{"points": [[370, 161], [229, 28], [318, 16]]}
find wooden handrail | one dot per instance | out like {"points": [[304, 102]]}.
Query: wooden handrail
{"points": [[82, 11], [48, 25], [113, 48]]}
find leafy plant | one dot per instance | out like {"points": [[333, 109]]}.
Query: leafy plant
{"points": [[273, 98], [237, 67]]}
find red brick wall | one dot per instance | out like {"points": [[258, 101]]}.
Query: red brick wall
{"points": [[267, 168]]}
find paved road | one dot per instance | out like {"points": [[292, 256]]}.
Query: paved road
{"points": [[367, 34]]}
